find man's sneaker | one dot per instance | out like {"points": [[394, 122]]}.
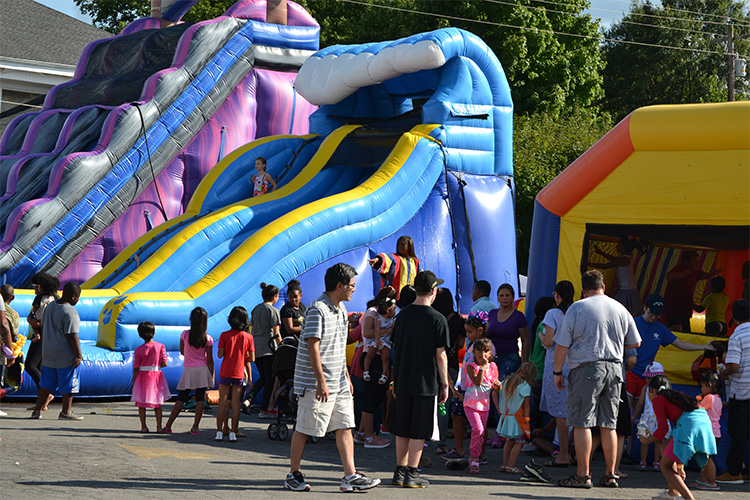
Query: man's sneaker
{"points": [[537, 471], [36, 415], [376, 442], [527, 478], [359, 437], [727, 478], [295, 481], [69, 416], [413, 480], [232, 437], [398, 476], [384, 430], [358, 482], [219, 436], [452, 455], [482, 460]]}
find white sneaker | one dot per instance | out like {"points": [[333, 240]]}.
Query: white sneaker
{"points": [[232, 437], [664, 495], [219, 436]]}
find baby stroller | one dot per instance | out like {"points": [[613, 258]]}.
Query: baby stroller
{"points": [[286, 401]]}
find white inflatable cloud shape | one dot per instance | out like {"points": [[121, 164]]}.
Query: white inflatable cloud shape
{"points": [[333, 78]]}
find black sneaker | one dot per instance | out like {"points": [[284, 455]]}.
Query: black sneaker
{"points": [[413, 479], [398, 476], [358, 482], [458, 464], [537, 471], [527, 478], [295, 481]]}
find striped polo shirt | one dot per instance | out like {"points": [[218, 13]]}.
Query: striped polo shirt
{"points": [[329, 324], [739, 353]]}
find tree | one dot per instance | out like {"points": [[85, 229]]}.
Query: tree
{"points": [[638, 75], [543, 146], [114, 15]]}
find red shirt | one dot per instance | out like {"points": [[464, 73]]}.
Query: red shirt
{"points": [[237, 346], [678, 297], [664, 410]]}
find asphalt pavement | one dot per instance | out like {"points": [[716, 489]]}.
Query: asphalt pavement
{"points": [[105, 456]]}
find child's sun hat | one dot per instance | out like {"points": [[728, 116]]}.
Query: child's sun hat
{"points": [[653, 369]]}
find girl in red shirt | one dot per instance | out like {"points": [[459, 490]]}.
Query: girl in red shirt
{"points": [[692, 436], [238, 352]]}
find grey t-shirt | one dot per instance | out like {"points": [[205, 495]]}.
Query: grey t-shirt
{"points": [[263, 318], [596, 328], [328, 323], [59, 320]]}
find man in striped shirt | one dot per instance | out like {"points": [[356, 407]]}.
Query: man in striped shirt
{"points": [[322, 383]]}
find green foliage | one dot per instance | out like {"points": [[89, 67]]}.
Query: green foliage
{"points": [[638, 76], [114, 15], [543, 146]]}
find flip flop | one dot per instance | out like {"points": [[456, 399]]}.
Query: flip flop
{"points": [[194, 432], [167, 431]]}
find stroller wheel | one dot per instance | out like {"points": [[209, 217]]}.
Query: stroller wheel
{"points": [[314, 439], [283, 432], [273, 431], [331, 435]]}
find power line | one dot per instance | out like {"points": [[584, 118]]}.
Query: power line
{"points": [[720, 16], [656, 26], [536, 30]]}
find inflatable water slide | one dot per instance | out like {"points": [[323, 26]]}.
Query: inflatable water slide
{"points": [[122, 146], [411, 137]]}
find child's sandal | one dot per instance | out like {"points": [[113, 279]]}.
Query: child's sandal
{"points": [[366, 376], [383, 379]]}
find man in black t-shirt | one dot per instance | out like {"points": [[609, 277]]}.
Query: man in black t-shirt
{"points": [[420, 378]]}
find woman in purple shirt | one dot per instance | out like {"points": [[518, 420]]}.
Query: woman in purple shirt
{"points": [[504, 328]]}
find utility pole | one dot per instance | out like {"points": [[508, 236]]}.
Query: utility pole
{"points": [[730, 56]]}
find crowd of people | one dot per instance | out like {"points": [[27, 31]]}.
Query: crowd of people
{"points": [[585, 372]]}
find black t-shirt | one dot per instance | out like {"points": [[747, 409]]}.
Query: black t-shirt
{"points": [[457, 332], [417, 332], [297, 315]]}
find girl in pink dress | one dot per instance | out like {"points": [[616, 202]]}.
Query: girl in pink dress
{"points": [[150, 388]]}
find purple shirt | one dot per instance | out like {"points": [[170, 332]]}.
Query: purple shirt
{"points": [[504, 336]]}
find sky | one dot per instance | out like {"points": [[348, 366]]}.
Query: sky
{"points": [[608, 11]]}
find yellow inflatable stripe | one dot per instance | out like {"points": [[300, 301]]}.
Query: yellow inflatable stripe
{"points": [[175, 242], [395, 161], [691, 127], [199, 197], [128, 252], [193, 208]]}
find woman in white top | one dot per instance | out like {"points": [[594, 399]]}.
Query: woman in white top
{"points": [[627, 288]]}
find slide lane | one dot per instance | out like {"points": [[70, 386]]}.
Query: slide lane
{"points": [[289, 245]]}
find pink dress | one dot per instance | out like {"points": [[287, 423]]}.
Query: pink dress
{"points": [[150, 388]]}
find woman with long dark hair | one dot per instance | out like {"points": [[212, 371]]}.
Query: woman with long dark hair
{"points": [[553, 401]]}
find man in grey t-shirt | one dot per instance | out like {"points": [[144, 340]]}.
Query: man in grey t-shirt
{"points": [[593, 337], [61, 352], [322, 382]]}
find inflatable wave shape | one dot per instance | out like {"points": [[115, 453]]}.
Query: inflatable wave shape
{"points": [[79, 203], [447, 76]]}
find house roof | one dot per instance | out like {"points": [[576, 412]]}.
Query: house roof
{"points": [[35, 32]]}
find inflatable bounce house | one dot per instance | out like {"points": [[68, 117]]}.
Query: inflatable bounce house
{"points": [[674, 176], [410, 137]]}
